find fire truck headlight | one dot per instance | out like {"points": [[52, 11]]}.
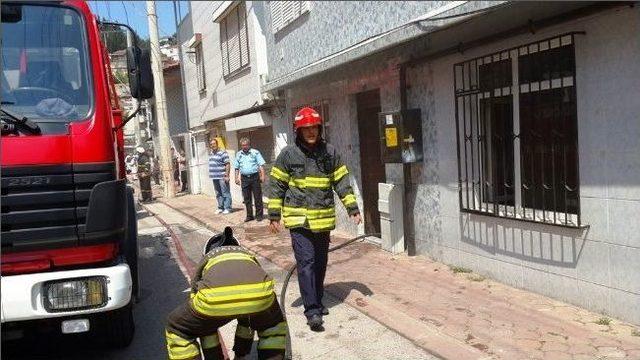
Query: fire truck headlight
{"points": [[75, 294]]}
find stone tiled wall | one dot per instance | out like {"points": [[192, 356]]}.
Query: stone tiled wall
{"points": [[598, 267]]}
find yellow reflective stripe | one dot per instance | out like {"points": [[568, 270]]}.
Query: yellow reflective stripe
{"points": [[290, 221], [340, 173], [274, 203], [274, 342], [180, 348], [280, 174], [244, 291], [209, 342], [234, 308], [322, 224], [294, 211], [225, 257], [244, 332], [311, 182], [349, 199], [309, 213], [279, 329], [321, 213]]}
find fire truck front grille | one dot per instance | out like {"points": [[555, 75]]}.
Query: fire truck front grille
{"points": [[44, 206]]}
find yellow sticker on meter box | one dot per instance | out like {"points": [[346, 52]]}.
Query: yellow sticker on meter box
{"points": [[391, 136]]}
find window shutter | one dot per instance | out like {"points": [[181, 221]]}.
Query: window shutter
{"points": [[289, 10], [277, 21], [244, 38], [223, 48], [233, 40], [284, 13]]}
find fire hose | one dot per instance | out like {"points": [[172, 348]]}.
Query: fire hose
{"points": [[285, 284]]}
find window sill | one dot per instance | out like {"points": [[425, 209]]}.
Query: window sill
{"points": [[508, 213], [236, 73]]}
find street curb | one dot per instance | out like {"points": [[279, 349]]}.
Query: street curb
{"points": [[429, 339]]}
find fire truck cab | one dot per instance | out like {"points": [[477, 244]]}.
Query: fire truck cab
{"points": [[69, 235]]}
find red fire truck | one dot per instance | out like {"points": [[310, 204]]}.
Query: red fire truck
{"points": [[69, 248]]}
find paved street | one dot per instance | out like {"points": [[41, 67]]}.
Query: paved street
{"points": [[348, 335]]}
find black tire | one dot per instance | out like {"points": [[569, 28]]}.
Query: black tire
{"points": [[119, 327], [130, 247]]}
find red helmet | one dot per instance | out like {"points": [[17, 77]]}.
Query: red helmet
{"points": [[307, 117]]}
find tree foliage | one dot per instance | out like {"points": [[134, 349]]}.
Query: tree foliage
{"points": [[115, 37]]}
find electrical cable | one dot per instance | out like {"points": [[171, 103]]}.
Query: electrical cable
{"points": [[285, 284]]}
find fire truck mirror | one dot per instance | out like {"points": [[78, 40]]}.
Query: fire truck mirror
{"points": [[140, 75]]}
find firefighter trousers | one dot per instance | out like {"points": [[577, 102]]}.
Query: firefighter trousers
{"points": [[145, 187], [185, 326], [311, 251]]}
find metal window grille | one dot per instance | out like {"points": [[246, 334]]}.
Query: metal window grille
{"points": [[322, 107], [234, 41], [517, 136]]}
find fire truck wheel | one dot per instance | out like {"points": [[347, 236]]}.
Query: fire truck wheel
{"points": [[120, 327], [131, 246]]}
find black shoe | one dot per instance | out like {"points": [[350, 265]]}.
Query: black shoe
{"points": [[315, 322], [259, 218], [249, 218], [325, 311]]}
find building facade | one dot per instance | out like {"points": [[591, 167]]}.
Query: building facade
{"points": [[224, 51], [529, 125]]}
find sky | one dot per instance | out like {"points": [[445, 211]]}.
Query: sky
{"points": [[134, 13]]}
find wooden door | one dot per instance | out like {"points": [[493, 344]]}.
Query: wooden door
{"points": [[371, 165]]}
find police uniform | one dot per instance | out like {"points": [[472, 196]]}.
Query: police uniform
{"points": [[230, 285]]}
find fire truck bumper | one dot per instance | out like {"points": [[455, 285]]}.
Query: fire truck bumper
{"points": [[65, 293]]}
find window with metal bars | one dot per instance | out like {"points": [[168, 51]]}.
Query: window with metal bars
{"points": [[516, 122], [234, 41], [322, 107], [202, 81]]}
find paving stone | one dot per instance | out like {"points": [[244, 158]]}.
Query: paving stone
{"points": [[611, 352], [557, 355]]}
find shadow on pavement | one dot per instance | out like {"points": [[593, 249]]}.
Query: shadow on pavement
{"points": [[338, 292]]}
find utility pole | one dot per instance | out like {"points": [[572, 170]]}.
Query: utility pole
{"points": [[166, 165], [134, 101]]}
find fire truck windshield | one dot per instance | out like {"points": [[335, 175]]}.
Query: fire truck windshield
{"points": [[45, 65]]}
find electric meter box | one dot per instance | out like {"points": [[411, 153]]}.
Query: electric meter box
{"points": [[401, 136]]}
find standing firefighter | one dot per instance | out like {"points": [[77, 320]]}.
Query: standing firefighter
{"points": [[144, 174], [229, 284], [302, 182]]}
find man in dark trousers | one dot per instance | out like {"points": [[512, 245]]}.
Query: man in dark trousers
{"points": [[249, 165], [303, 180], [229, 284], [144, 174]]}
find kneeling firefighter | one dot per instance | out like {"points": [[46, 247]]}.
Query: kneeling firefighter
{"points": [[229, 284]]}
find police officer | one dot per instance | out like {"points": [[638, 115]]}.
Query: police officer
{"points": [[303, 179], [144, 174], [229, 284]]}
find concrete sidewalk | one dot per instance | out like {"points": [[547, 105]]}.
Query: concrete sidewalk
{"points": [[448, 312]]}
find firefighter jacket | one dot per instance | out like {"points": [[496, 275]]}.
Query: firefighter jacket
{"points": [[230, 282], [302, 185], [144, 165]]}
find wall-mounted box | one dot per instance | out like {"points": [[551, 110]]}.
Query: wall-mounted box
{"points": [[401, 136]]}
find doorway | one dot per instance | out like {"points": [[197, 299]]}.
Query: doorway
{"points": [[371, 165]]}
